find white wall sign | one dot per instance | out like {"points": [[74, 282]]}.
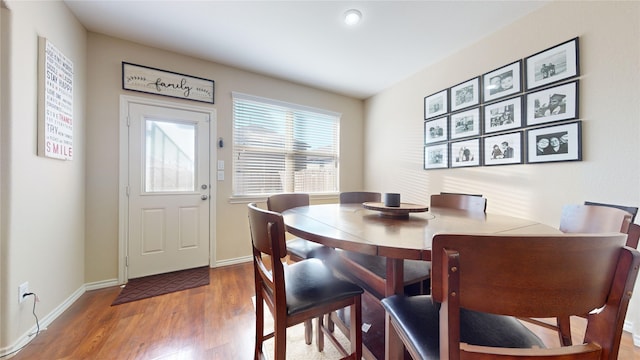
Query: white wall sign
{"points": [[55, 102], [166, 83]]}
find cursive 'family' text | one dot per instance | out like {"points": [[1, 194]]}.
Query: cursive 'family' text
{"points": [[161, 85]]}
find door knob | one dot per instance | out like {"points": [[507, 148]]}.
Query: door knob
{"points": [[204, 197]]}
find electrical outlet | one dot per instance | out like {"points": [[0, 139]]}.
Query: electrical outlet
{"points": [[22, 289]]}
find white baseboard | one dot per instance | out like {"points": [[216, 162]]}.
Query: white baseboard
{"points": [[235, 261], [101, 284], [44, 321]]}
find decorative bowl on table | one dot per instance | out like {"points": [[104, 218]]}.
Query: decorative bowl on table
{"points": [[401, 211]]}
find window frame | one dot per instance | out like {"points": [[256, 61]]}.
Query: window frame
{"points": [[289, 151]]}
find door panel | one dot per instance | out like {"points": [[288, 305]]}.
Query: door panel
{"points": [[168, 189]]}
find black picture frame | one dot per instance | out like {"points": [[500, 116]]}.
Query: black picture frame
{"points": [[553, 104], [503, 149], [436, 156], [503, 115], [552, 65], [502, 82], [466, 153], [541, 143], [465, 94], [436, 104], [465, 123], [436, 130]]}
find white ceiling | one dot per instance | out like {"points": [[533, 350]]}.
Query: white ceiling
{"points": [[306, 41]]}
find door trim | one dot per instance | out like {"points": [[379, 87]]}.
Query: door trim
{"points": [[123, 181]]}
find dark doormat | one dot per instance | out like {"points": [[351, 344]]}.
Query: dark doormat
{"points": [[154, 285]]}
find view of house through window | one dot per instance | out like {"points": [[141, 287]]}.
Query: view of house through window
{"points": [[280, 147]]}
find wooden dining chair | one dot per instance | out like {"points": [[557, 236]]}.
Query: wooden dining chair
{"points": [[590, 218], [630, 209], [593, 219], [469, 202], [297, 248], [481, 283], [358, 197], [303, 290], [370, 271]]}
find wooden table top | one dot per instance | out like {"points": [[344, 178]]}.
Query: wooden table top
{"points": [[353, 227]]}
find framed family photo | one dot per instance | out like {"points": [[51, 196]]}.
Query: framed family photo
{"points": [[555, 143], [466, 123], [465, 94], [436, 130], [552, 65], [465, 153], [503, 115], [502, 82], [553, 104], [436, 156], [436, 104], [503, 149]]}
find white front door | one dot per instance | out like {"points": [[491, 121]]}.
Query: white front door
{"points": [[169, 189]]}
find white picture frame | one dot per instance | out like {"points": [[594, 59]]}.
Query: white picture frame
{"points": [[436, 130], [502, 82], [553, 104], [554, 64], [541, 146], [436, 104], [465, 153], [465, 94], [436, 156], [465, 124], [504, 149], [503, 115]]}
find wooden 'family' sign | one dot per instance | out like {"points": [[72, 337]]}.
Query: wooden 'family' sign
{"points": [[166, 83]]}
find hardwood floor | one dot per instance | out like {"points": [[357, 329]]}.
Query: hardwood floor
{"points": [[209, 322]]}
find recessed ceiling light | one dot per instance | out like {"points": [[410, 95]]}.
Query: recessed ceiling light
{"points": [[352, 17]]}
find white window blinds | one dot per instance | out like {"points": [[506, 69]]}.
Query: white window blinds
{"points": [[280, 147]]}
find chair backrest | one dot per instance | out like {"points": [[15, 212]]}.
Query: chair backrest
{"points": [[452, 193], [282, 202], [593, 219], [358, 197], [473, 203], [267, 238], [630, 209], [534, 276]]}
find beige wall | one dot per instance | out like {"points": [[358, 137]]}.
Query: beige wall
{"points": [[42, 207], [105, 55], [609, 108]]}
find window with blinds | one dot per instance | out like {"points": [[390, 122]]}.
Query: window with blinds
{"points": [[281, 147]]}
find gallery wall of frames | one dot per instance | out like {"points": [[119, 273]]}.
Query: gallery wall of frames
{"points": [[523, 112]]}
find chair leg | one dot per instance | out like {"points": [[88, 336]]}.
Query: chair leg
{"points": [[330, 324], [280, 339], [564, 330], [355, 328], [258, 355], [308, 331], [320, 333]]}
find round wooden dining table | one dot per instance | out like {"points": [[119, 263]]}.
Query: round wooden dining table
{"points": [[356, 228]]}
